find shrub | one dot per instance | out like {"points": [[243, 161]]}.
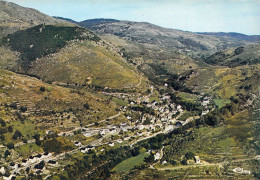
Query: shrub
{"points": [[2, 122], [13, 105], [42, 89], [57, 145], [86, 106], [10, 128], [7, 153], [17, 135], [3, 130], [10, 145], [23, 109], [25, 140], [189, 155], [173, 162], [37, 139], [184, 162]]}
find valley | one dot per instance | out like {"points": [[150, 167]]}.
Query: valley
{"points": [[111, 99]]}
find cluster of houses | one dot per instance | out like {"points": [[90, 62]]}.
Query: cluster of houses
{"points": [[165, 119], [205, 104], [35, 163]]}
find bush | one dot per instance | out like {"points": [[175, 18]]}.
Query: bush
{"points": [[3, 130], [10, 145], [86, 106], [42, 89], [173, 162], [189, 155], [10, 128], [19, 116], [7, 153], [17, 135], [23, 109], [37, 139], [57, 145], [25, 140], [184, 162], [13, 105], [2, 122]]}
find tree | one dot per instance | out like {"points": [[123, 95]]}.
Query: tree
{"points": [[173, 162], [10, 128], [184, 162], [42, 89], [86, 106], [17, 135], [7, 153], [2, 122], [150, 158], [189, 155], [23, 109], [37, 138], [10, 145]]}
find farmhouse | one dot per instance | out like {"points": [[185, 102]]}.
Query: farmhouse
{"points": [[197, 159]]}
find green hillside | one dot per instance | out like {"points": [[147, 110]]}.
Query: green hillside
{"points": [[244, 55], [88, 63], [42, 40]]}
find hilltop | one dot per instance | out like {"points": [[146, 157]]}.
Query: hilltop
{"points": [[14, 17], [69, 55], [189, 43], [253, 38]]}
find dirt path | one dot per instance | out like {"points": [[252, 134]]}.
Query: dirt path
{"points": [[188, 166]]}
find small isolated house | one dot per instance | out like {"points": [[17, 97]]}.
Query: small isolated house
{"points": [[197, 159]]}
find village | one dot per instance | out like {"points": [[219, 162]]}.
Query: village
{"points": [[145, 119]]}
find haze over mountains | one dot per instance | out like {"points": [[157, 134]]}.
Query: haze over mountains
{"points": [[112, 99]]}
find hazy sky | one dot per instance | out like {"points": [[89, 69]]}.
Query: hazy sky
{"points": [[191, 15]]}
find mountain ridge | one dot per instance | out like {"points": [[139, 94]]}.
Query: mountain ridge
{"points": [[15, 17]]}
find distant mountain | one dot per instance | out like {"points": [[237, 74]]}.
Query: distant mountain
{"points": [[14, 17], [253, 38], [188, 43], [66, 19], [93, 22]]}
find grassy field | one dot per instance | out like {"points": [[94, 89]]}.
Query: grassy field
{"points": [[187, 97], [186, 115], [221, 102], [28, 149], [130, 163], [120, 102]]}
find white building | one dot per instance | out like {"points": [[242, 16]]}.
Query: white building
{"points": [[2, 170], [157, 156], [241, 171]]}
